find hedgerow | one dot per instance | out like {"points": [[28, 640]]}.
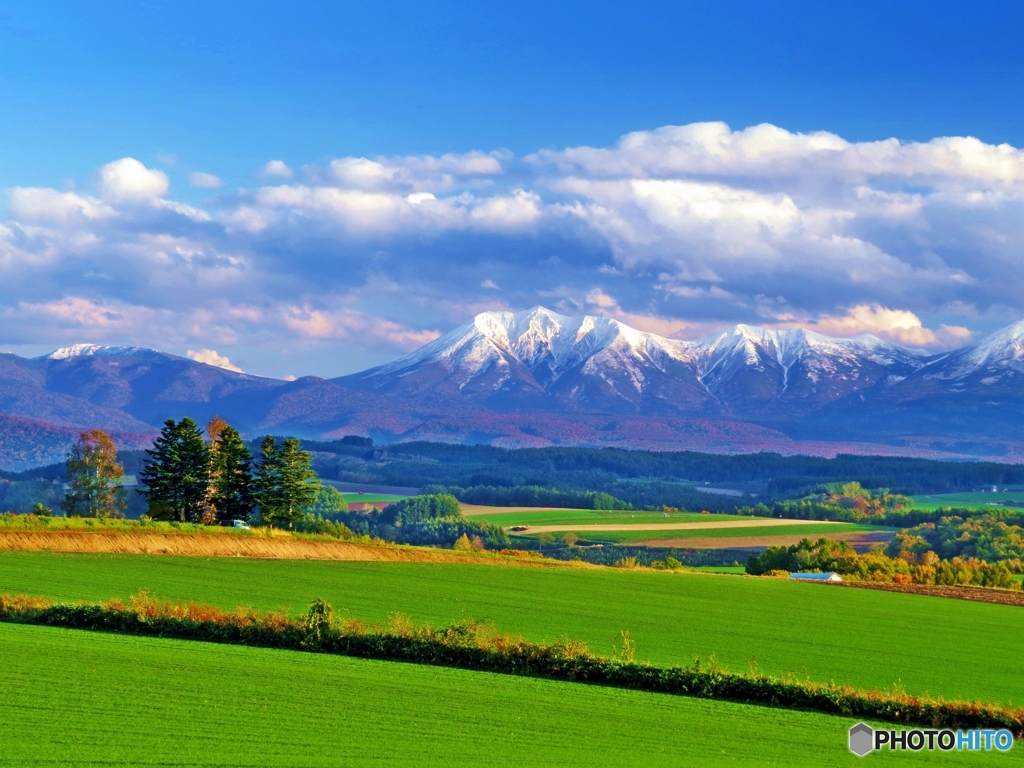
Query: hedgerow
{"points": [[479, 646]]}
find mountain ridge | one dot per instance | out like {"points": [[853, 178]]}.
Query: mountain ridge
{"points": [[540, 378]]}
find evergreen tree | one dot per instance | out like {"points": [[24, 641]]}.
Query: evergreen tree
{"points": [[285, 485], [230, 472], [94, 478], [177, 473]]}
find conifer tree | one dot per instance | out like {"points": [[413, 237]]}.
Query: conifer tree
{"points": [[94, 478], [177, 473], [230, 472], [284, 484]]}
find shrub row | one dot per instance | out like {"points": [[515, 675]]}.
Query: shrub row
{"points": [[478, 646]]}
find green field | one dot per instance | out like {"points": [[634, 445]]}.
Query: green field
{"points": [[810, 530], [583, 517], [968, 500], [735, 570], [957, 649], [83, 698]]}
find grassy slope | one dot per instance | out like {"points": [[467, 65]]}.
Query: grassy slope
{"points": [[952, 648], [86, 698]]}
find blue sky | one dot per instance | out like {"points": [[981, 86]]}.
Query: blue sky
{"points": [[199, 245]]}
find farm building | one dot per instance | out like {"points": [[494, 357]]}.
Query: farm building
{"points": [[829, 577]]}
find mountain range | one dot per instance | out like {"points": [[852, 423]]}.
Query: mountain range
{"points": [[537, 378]]}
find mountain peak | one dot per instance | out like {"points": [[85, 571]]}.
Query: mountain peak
{"points": [[95, 350]]}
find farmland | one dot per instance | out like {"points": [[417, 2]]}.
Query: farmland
{"points": [[969, 500], [315, 710], [678, 529], [867, 639], [530, 516]]}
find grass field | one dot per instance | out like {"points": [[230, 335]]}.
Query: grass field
{"points": [[968, 500], [953, 648], [81, 698], [583, 517], [810, 530], [372, 498]]}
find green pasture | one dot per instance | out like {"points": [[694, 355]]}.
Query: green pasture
{"points": [[733, 569], [81, 698], [583, 517], [968, 500], [810, 530], [372, 498], [869, 639]]}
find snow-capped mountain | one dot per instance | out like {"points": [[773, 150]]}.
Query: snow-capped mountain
{"points": [[793, 366], [540, 378], [94, 350], [989, 361], [595, 362]]}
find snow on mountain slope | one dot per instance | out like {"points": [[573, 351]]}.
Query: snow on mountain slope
{"points": [[94, 350], [591, 359], [539, 342], [992, 357], [800, 361]]}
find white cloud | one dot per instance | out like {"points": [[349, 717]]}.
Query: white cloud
{"points": [[128, 179], [355, 326], [277, 168], [205, 180], [49, 205], [668, 230], [898, 325], [769, 151], [212, 357]]}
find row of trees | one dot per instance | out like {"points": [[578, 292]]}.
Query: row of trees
{"points": [[907, 568], [191, 479], [428, 519], [992, 537], [194, 478]]}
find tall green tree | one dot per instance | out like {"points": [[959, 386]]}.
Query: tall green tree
{"points": [[94, 478], [177, 473], [230, 472], [284, 484]]}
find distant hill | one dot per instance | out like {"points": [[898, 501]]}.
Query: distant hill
{"points": [[537, 378]]}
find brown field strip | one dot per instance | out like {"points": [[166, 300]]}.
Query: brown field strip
{"points": [[270, 547], [977, 594], [856, 539], [640, 527]]}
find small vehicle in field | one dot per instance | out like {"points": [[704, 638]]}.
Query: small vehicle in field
{"points": [[240, 524]]}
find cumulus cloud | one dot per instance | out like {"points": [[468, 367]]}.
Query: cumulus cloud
{"points": [[353, 325], [49, 205], [277, 168], [128, 179], [205, 180], [212, 357], [898, 325], [675, 230]]}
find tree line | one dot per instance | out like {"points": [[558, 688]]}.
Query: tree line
{"points": [[826, 555], [211, 479]]}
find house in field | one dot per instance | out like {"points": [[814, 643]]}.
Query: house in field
{"points": [[830, 578]]}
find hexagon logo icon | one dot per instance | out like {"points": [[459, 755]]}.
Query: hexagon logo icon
{"points": [[862, 738]]}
